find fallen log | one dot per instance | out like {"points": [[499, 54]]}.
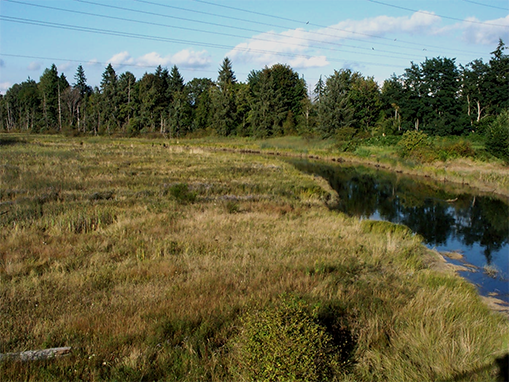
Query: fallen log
{"points": [[36, 355]]}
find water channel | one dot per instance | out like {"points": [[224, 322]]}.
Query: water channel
{"points": [[448, 217]]}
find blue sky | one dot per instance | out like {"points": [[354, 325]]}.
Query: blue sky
{"points": [[314, 37]]}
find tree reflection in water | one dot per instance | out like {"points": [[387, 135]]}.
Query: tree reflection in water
{"points": [[443, 216]]}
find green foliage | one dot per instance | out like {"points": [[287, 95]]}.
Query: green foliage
{"points": [[456, 149], [181, 192], [417, 145], [497, 137], [335, 109], [224, 114], [276, 95], [134, 126], [287, 342]]}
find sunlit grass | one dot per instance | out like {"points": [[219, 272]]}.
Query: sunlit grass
{"points": [[147, 260]]}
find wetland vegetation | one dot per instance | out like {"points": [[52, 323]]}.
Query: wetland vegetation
{"points": [[172, 261]]}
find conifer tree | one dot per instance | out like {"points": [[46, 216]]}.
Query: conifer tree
{"points": [[48, 87], [224, 100]]}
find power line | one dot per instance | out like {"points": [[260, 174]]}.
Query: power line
{"points": [[93, 62], [165, 39], [486, 5], [232, 27], [300, 22], [248, 11], [436, 15], [325, 26], [377, 52]]}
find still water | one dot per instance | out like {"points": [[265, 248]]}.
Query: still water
{"points": [[448, 218]]}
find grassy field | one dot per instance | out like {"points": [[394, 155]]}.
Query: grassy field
{"points": [[166, 262], [452, 159]]}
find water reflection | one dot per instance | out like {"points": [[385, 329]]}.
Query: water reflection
{"points": [[447, 219]]}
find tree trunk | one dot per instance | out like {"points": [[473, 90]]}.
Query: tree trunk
{"points": [[59, 110]]}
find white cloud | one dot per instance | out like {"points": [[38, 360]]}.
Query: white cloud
{"points": [[34, 65], [301, 49], [309, 62], [417, 23], [121, 59], [4, 86], [189, 58], [485, 34], [185, 58], [292, 46]]}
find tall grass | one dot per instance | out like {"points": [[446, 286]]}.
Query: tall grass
{"points": [[153, 263]]}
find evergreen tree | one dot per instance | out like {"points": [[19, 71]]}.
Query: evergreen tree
{"points": [[198, 91], [334, 110], [365, 98], [79, 100], [498, 80], [81, 82], [179, 107], [49, 90], [319, 90], [175, 82], [109, 101], [226, 76], [224, 100], [441, 82], [263, 113], [277, 93], [127, 101]]}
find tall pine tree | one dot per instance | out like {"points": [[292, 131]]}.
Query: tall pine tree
{"points": [[224, 100]]}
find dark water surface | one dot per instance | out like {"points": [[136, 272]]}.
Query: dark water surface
{"points": [[449, 218]]}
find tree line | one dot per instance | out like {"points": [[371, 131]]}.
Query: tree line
{"points": [[436, 97]]}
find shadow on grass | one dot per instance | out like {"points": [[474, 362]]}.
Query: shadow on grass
{"points": [[9, 141], [501, 363]]}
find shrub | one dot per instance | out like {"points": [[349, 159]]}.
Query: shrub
{"points": [[181, 192], [287, 342], [497, 137], [417, 145], [134, 126], [461, 148]]}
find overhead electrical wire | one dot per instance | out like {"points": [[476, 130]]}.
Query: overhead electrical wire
{"points": [[436, 15], [210, 45], [307, 23], [163, 39], [94, 62], [370, 50], [485, 5], [242, 28]]}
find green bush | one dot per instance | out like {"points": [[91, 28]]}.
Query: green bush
{"points": [[181, 192], [288, 342], [461, 148], [134, 126], [417, 145], [497, 137]]}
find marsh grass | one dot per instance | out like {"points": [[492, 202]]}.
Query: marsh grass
{"points": [[447, 159], [145, 283]]}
